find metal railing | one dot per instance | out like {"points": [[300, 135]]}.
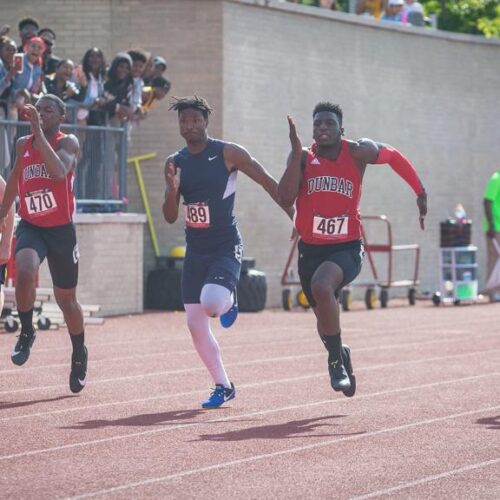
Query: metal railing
{"points": [[101, 172]]}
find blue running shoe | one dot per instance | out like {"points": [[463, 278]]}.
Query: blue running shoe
{"points": [[219, 396], [228, 318]]}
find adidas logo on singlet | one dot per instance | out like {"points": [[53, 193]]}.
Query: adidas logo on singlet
{"points": [[315, 162]]}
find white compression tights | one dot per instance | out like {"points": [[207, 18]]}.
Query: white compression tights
{"points": [[215, 300]]}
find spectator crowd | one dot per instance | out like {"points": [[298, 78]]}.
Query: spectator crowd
{"points": [[94, 93], [409, 12], [119, 95]]}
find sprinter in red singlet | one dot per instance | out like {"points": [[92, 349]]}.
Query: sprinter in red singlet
{"points": [[43, 178], [324, 182]]}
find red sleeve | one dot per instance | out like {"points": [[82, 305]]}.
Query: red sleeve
{"points": [[401, 166]]}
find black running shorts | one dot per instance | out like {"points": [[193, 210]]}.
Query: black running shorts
{"points": [[348, 256], [58, 244]]}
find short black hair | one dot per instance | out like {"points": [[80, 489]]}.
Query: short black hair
{"points": [[47, 30], [328, 106], [160, 82], [28, 20], [58, 102], [138, 55], [194, 102]]}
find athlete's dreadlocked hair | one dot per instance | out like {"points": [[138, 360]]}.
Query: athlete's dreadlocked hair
{"points": [[332, 108], [181, 103]]}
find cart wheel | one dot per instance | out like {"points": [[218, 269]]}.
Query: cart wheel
{"points": [[286, 299], [412, 296], [346, 300], [302, 300], [436, 298], [11, 325], [370, 298], [384, 297], [43, 323]]}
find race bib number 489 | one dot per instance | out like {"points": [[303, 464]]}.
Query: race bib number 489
{"points": [[330, 228], [40, 202], [197, 216]]}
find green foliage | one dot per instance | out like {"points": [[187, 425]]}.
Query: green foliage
{"points": [[480, 17]]}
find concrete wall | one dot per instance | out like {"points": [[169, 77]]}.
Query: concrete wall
{"points": [[111, 262], [432, 95]]}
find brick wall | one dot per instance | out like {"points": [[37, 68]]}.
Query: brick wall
{"points": [[433, 96]]}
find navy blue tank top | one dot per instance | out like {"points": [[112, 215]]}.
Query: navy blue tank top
{"points": [[208, 190]]}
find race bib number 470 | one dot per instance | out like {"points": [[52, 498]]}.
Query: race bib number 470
{"points": [[40, 202], [330, 228], [197, 216]]}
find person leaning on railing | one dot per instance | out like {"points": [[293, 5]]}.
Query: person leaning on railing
{"points": [[90, 75], [27, 84], [7, 72]]}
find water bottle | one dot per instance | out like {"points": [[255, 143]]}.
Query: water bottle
{"points": [[460, 215]]}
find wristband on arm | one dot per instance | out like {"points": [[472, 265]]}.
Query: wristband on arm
{"points": [[401, 166]]}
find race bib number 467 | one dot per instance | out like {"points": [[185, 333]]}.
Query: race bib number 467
{"points": [[330, 228], [40, 202], [197, 216]]}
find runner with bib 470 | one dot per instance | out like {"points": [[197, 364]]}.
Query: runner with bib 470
{"points": [[43, 178], [324, 182]]}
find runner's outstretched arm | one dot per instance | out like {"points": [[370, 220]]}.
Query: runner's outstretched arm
{"points": [[288, 187], [379, 153], [8, 232], [172, 194], [237, 157]]}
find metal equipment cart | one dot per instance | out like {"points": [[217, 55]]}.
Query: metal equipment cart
{"points": [[289, 280], [457, 275]]}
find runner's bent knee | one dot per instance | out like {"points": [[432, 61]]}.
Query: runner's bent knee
{"points": [[215, 300]]}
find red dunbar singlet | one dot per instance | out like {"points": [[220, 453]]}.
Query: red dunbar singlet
{"points": [[44, 201], [328, 200]]}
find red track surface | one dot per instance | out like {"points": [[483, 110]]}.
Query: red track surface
{"points": [[425, 422]]}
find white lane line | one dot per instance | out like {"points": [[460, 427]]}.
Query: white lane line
{"points": [[154, 354], [249, 363], [243, 386], [353, 332], [164, 338], [427, 479], [243, 415], [308, 339], [297, 449]]}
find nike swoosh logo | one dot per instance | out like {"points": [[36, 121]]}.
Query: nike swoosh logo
{"points": [[15, 353], [210, 158], [82, 382]]}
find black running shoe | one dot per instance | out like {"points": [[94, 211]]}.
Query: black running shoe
{"points": [[78, 371], [21, 351], [339, 379], [346, 358]]}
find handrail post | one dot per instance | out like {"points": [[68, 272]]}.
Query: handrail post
{"points": [[142, 188]]}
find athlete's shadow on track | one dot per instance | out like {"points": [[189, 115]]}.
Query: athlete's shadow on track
{"points": [[490, 422], [19, 404], [146, 419], [293, 429]]}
